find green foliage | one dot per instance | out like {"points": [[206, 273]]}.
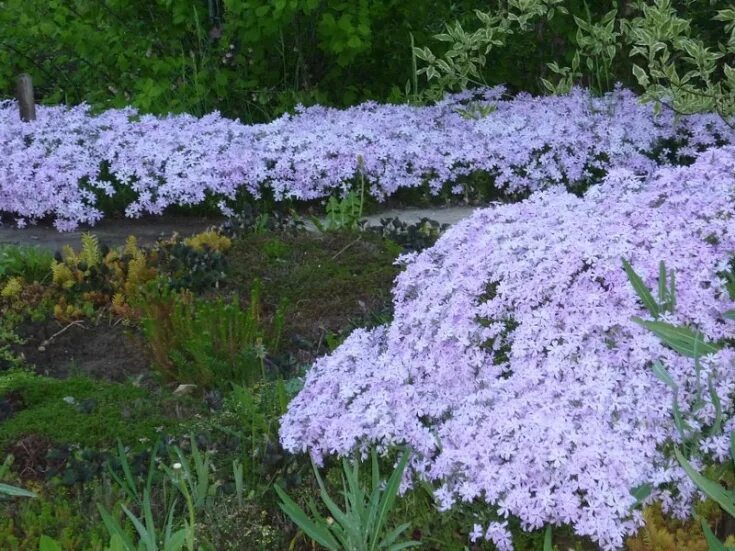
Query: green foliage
{"points": [[8, 359], [209, 343], [33, 264], [248, 219], [722, 496], [411, 237], [7, 489], [342, 214], [246, 58], [53, 409], [256, 413], [345, 214], [677, 51], [159, 522], [464, 61], [666, 290], [362, 525], [679, 67], [60, 516], [191, 264], [661, 533], [690, 343]]}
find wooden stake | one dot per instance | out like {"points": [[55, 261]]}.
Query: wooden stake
{"points": [[26, 102]]}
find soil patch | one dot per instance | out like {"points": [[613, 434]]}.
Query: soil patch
{"points": [[330, 282], [10, 403], [31, 457], [102, 351]]}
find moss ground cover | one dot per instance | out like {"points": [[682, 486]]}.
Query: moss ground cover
{"points": [[85, 411]]}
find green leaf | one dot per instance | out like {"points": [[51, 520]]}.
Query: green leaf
{"points": [[390, 493], [114, 528], [48, 544], [663, 375], [712, 541], [713, 490], [116, 544], [393, 535], [683, 340], [319, 534], [143, 534], [548, 546], [715, 398], [404, 545], [641, 290], [13, 491], [641, 76], [177, 540], [640, 493]]}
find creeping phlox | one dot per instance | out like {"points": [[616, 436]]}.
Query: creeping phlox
{"points": [[59, 165], [513, 369]]}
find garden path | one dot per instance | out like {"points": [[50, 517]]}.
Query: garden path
{"points": [[147, 230]]}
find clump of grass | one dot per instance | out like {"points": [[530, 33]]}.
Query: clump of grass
{"points": [[29, 263]]}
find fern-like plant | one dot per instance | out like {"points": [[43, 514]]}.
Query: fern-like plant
{"points": [[208, 343]]}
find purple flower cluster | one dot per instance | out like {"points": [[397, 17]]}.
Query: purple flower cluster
{"points": [[512, 366], [55, 167]]}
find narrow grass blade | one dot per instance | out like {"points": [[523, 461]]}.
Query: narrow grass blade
{"points": [[713, 490], [389, 495], [319, 534], [641, 290], [715, 398], [712, 542], [548, 546], [145, 537], [663, 375], [14, 491], [114, 528]]}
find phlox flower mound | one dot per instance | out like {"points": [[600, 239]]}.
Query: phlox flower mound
{"points": [[58, 166], [513, 369]]}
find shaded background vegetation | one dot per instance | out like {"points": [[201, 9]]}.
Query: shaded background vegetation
{"points": [[256, 59]]}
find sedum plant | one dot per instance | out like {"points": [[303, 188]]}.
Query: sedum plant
{"points": [[361, 523]]}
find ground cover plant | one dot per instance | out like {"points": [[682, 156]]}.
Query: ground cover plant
{"points": [[143, 344], [554, 372], [505, 321], [147, 164]]}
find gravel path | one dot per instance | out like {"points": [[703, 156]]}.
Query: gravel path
{"points": [[147, 230]]}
